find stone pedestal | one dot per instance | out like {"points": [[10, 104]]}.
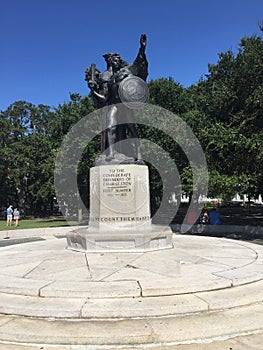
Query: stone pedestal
{"points": [[120, 216]]}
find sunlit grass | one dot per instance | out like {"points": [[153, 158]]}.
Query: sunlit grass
{"points": [[35, 223]]}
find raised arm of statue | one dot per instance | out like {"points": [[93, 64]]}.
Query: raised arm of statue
{"points": [[143, 40], [140, 65]]}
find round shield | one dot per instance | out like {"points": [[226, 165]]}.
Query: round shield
{"points": [[133, 92]]}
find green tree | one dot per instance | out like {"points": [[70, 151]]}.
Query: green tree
{"points": [[64, 118], [231, 100], [168, 94], [25, 147]]}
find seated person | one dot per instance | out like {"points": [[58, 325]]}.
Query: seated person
{"points": [[215, 217], [204, 217]]}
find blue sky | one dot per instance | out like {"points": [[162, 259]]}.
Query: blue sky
{"points": [[46, 45]]}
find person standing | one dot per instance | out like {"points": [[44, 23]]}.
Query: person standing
{"points": [[9, 215], [16, 216]]}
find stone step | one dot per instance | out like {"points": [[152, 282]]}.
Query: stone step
{"points": [[245, 342], [202, 327], [90, 307]]}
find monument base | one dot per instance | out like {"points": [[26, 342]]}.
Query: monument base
{"points": [[87, 240], [120, 217]]}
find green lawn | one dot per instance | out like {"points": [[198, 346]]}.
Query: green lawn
{"points": [[35, 223]]}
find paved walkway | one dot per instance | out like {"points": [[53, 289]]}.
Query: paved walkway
{"points": [[204, 294]]}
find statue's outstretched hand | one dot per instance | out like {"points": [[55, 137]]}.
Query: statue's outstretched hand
{"points": [[143, 40]]}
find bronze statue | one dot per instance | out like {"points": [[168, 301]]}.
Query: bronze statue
{"points": [[119, 89]]}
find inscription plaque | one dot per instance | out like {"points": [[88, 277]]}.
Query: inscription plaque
{"points": [[119, 196]]}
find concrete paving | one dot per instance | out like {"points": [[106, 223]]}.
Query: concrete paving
{"points": [[204, 293]]}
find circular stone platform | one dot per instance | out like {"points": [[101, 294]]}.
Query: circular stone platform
{"points": [[203, 291]]}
